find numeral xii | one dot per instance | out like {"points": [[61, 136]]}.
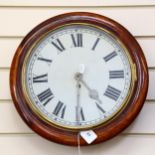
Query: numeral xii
{"points": [[77, 40]]}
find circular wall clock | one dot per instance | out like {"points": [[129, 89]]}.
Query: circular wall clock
{"points": [[76, 72]]}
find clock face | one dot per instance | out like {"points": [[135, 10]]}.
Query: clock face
{"points": [[77, 76]]}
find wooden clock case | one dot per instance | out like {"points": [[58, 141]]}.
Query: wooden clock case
{"points": [[105, 131]]}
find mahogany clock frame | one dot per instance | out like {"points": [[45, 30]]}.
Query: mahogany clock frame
{"points": [[105, 131]]}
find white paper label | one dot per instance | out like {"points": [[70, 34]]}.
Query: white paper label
{"points": [[89, 136]]}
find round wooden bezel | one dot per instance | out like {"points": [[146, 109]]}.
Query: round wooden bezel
{"points": [[105, 131]]}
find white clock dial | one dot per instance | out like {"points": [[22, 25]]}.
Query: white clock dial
{"points": [[78, 76]]}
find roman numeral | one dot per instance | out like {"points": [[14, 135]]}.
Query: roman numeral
{"points": [[110, 56], [40, 78], [59, 109], [58, 45], [116, 74], [82, 114], [48, 100], [79, 114], [77, 40], [43, 59], [112, 93], [63, 112], [45, 96], [95, 44], [100, 108]]}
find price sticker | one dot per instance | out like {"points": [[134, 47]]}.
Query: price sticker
{"points": [[89, 136]]}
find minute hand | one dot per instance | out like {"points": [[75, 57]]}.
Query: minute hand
{"points": [[78, 108]]}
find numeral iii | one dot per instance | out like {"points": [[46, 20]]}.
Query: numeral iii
{"points": [[116, 74]]}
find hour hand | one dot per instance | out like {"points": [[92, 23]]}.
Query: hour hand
{"points": [[93, 93]]}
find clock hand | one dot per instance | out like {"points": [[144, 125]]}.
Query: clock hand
{"points": [[82, 68], [78, 85], [78, 108], [93, 93]]}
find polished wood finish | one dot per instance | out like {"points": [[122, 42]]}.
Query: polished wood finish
{"points": [[105, 131]]}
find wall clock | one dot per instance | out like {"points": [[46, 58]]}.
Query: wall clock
{"points": [[76, 72]]}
